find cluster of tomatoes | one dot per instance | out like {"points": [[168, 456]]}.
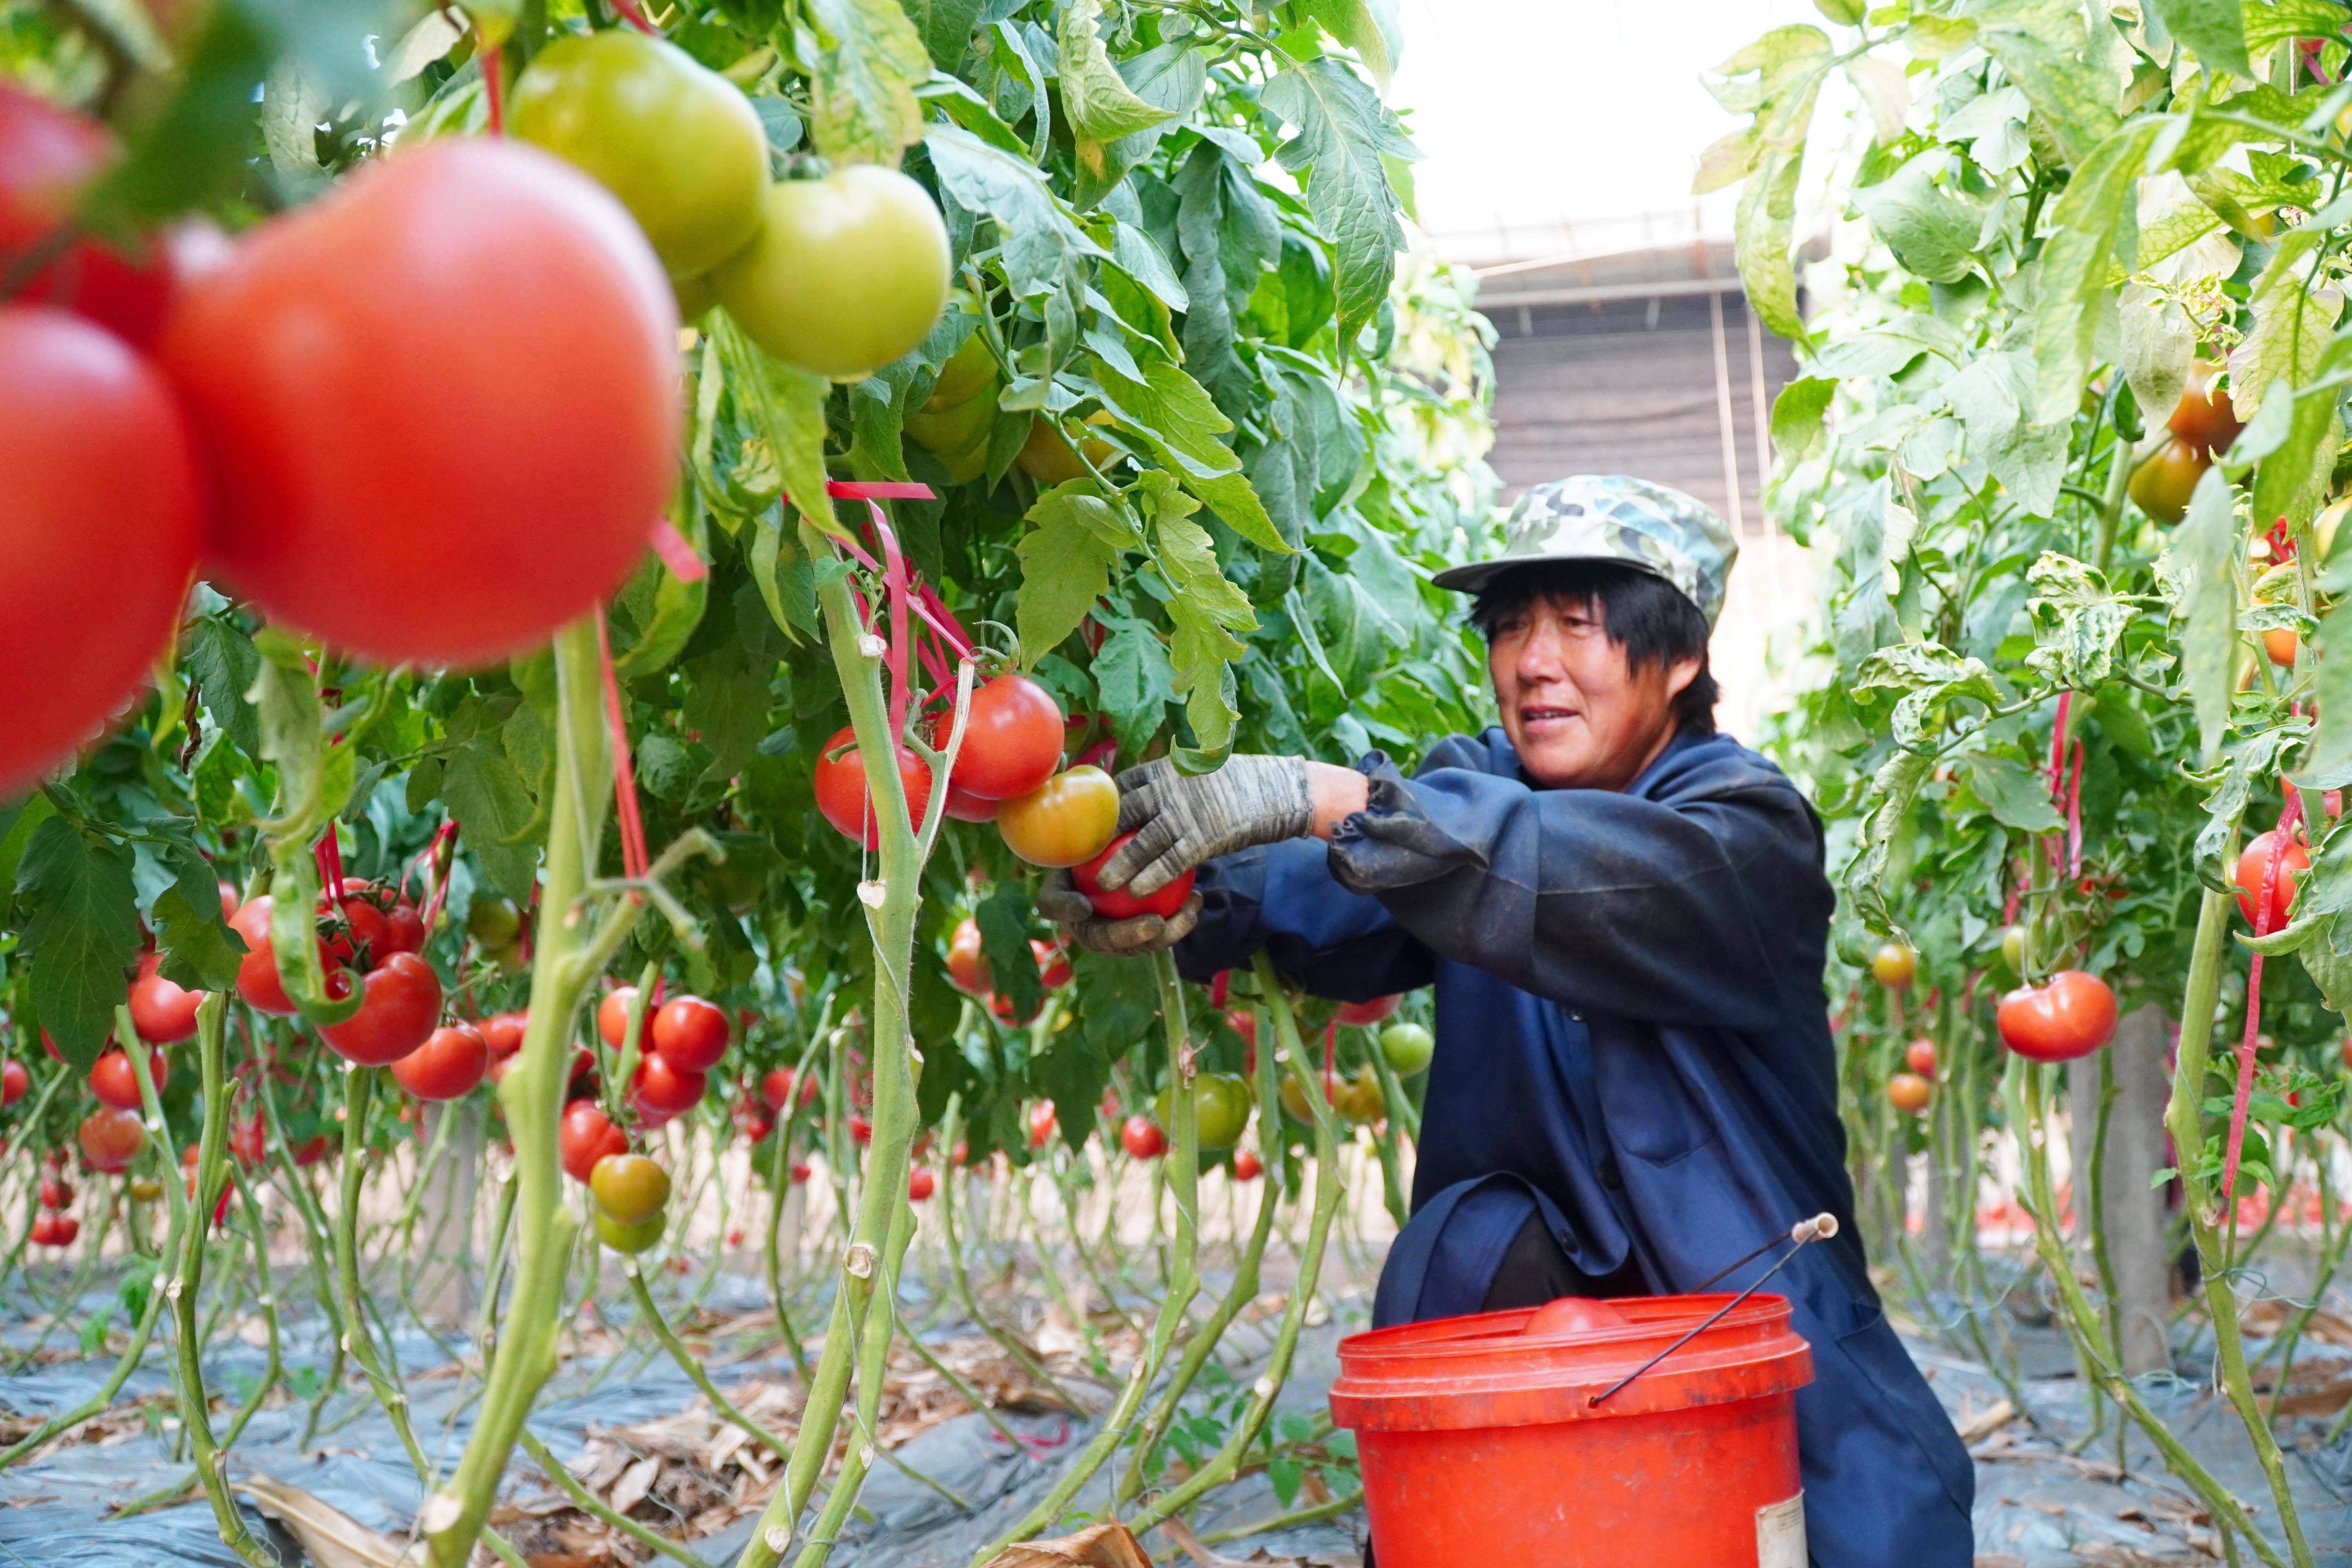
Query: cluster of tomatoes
{"points": [[53, 1227], [1009, 772], [2203, 425]]}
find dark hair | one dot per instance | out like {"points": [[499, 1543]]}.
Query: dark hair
{"points": [[1646, 615]]}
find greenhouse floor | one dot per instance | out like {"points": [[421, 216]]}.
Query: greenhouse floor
{"points": [[640, 1436]]}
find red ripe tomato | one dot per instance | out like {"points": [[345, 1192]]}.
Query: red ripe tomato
{"points": [[440, 402], [660, 1091], [2253, 864], [2204, 419], [1247, 1167], [861, 1132], [111, 1138], [753, 1121], [116, 1083], [966, 806], [14, 1082], [362, 936], [399, 1011], [920, 1184], [502, 1032], [586, 1136], [47, 154], [1243, 1022], [1053, 965], [841, 788], [99, 525], [1041, 1123], [257, 972], [689, 1033], [63, 1229], [966, 971], [799, 1172], [1118, 903], [312, 1150], [161, 1012], [407, 927], [450, 1062], [2072, 1016], [55, 1193], [776, 1089], [1012, 739], [1356, 1014], [613, 1015], [1919, 1056], [1142, 1139], [248, 1141]]}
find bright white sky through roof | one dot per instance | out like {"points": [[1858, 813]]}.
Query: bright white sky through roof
{"points": [[1544, 109]]}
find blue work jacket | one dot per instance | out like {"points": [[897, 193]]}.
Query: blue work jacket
{"points": [[1631, 1024]]}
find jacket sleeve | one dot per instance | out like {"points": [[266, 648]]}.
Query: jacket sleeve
{"points": [[1283, 898], [1657, 910]]}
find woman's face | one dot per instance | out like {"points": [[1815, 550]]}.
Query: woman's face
{"points": [[1578, 715]]}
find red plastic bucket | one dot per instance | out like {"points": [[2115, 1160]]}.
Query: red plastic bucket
{"points": [[1480, 1443]]}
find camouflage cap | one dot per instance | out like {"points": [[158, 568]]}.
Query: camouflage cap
{"points": [[1613, 517]]}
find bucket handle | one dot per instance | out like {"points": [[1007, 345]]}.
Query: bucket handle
{"points": [[1820, 1228]]}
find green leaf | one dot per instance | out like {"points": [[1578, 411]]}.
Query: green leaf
{"points": [[2294, 323], [865, 62], [81, 931], [1117, 1001], [199, 951], [22, 818], [2017, 796], [487, 793], [2090, 229], [1992, 397], [2293, 479], [1135, 682], [2329, 765], [2260, 27], [1175, 413], [947, 26], [1036, 240], [1845, 13], [1343, 130], [787, 405], [223, 663], [1797, 418], [1206, 612], [1880, 816], [1932, 232], [2214, 30], [1356, 25], [1787, 65], [1099, 104], [2202, 551], [2041, 44], [1004, 920], [1065, 568]]}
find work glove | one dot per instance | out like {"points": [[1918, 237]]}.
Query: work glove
{"points": [[1059, 901], [1180, 821]]}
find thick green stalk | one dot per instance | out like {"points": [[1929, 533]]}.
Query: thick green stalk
{"points": [[2022, 1089], [2182, 1118], [187, 1276], [532, 1095], [357, 1338], [879, 1237], [1227, 1463], [1183, 1163], [1243, 1291]]}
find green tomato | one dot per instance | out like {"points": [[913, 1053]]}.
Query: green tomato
{"points": [[1221, 1109], [2012, 949], [968, 373], [956, 425], [492, 921], [678, 142], [694, 297], [630, 1188], [1407, 1047], [630, 1238], [848, 272]]}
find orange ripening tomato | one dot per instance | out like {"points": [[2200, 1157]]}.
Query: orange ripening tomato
{"points": [[440, 402], [1066, 821], [1908, 1091]]}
